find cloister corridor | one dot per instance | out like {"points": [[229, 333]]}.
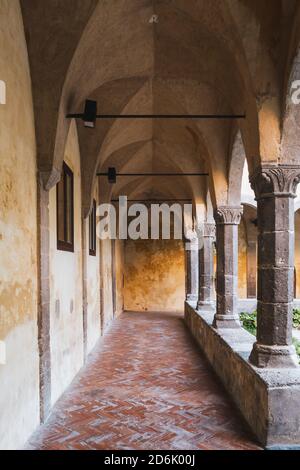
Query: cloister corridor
{"points": [[149, 225], [145, 386]]}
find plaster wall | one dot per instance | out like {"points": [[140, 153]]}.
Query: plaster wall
{"points": [[154, 275], [119, 270], [66, 309], [19, 373], [92, 287], [107, 312]]}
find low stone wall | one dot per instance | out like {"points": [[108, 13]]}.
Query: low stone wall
{"points": [[268, 399], [247, 305], [296, 303]]}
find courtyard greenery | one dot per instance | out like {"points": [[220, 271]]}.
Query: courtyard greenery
{"points": [[249, 322], [296, 343], [296, 318]]}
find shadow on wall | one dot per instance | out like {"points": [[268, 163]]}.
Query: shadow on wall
{"points": [[154, 275]]}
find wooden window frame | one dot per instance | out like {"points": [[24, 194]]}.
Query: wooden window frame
{"points": [[63, 245], [92, 231]]}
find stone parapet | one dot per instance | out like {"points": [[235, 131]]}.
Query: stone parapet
{"points": [[267, 398]]}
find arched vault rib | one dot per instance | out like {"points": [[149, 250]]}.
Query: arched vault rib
{"points": [[53, 31], [188, 99], [290, 147], [194, 45], [236, 169], [181, 185]]}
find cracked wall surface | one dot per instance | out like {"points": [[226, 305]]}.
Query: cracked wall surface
{"points": [[19, 377]]}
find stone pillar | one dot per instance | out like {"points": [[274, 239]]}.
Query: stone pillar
{"points": [[251, 269], [85, 248], [227, 220], [206, 269], [44, 299], [192, 269], [275, 190]]}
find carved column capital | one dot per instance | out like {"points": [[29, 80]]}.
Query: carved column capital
{"points": [[49, 178], [191, 239], [270, 181], [228, 215], [209, 230]]}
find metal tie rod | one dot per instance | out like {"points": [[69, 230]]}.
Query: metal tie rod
{"points": [[155, 174], [89, 116], [112, 174], [160, 116], [154, 200]]}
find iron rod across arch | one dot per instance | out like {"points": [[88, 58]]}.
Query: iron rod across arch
{"points": [[154, 200], [156, 174], [161, 116]]}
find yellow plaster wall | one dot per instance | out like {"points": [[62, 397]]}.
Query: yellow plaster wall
{"points": [[19, 376], [154, 275], [93, 287], [66, 310], [119, 259], [106, 284]]}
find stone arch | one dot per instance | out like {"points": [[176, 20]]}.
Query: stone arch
{"points": [[290, 146], [236, 169], [99, 23]]}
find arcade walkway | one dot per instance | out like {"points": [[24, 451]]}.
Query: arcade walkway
{"points": [[146, 386]]}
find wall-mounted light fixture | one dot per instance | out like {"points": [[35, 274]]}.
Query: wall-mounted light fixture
{"points": [[89, 116], [112, 175]]}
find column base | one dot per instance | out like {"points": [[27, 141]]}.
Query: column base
{"points": [[206, 306], [274, 357], [226, 321]]}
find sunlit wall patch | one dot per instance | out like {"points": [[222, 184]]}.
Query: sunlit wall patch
{"points": [[2, 92], [2, 353]]}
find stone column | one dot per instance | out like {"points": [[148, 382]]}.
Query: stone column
{"points": [[275, 190], [227, 220], [251, 269], [44, 299], [192, 269], [206, 269], [85, 248]]}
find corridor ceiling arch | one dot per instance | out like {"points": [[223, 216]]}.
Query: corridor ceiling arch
{"points": [[217, 57], [207, 51]]}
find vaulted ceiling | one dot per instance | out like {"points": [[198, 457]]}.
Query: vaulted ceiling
{"points": [[160, 57]]}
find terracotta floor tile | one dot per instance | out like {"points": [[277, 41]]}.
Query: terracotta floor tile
{"points": [[145, 386]]}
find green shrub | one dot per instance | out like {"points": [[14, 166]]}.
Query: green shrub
{"points": [[296, 318], [249, 322], [296, 343]]}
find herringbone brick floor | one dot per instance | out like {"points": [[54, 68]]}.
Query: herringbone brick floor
{"points": [[146, 386]]}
